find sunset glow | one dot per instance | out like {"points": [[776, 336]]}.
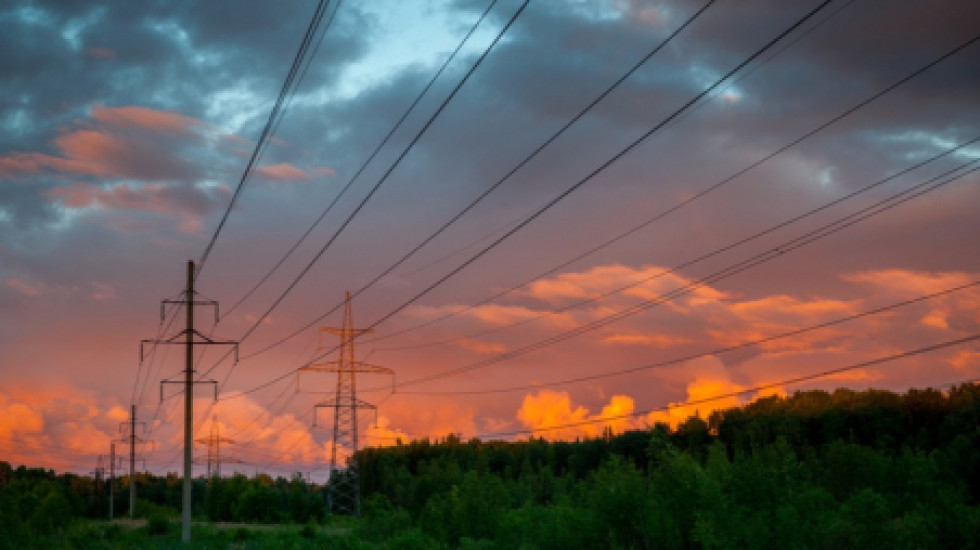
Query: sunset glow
{"points": [[817, 209]]}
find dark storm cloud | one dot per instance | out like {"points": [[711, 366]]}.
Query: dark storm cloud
{"points": [[552, 73], [163, 55], [75, 55]]}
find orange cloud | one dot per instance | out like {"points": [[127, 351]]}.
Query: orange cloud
{"points": [[437, 419], [282, 172], [959, 311], [966, 360], [702, 387], [482, 347], [17, 419], [27, 289], [550, 409], [908, 281], [492, 314], [781, 309], [187, 203], [936, 319], [141, 117], [257, 437], [708, 387], [55, 427], [657, 340], [122, 142], [381, 434], [648, 283]]}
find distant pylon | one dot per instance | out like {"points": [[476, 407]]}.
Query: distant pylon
{"points": [[345, 497], [132, 439], [99, 474], [214, 442]]}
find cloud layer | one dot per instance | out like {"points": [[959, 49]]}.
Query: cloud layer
{"points": [[126, 127]]}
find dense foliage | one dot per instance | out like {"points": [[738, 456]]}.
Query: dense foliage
{"points": [[815, 470]]}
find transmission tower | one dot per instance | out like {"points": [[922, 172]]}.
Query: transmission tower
{"points": [[214, 441], [190, 337], [99, 474], [132, 439], [344, 486]]}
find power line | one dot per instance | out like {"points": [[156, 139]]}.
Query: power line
{"points": [[276, 119], [587, 178], [299, 67], [789, 43], [364, 165], [716, 351], [677, 268], [734, 269], [717, 397], [384, 178], [161, 329], [694, 197], [755, 389], [268, 128], [758, 259], [527, 159], [547, 206]]}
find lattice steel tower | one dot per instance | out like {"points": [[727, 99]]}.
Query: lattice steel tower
{"points": [[213, 442], [345, 494]]}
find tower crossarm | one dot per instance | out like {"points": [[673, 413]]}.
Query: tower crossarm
{"points": [[345, 367], [349, 366], [345, 402]]}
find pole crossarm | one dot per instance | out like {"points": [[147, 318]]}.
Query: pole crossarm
{"points": [[224, 460], [209, 440], [201, 340], [215, 382], [195, 302], [129, 426]]}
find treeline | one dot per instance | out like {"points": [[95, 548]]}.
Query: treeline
{"points": [[36, 503], [814, 470]]}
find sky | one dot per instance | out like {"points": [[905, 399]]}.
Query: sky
{"points": [[761, 173]]}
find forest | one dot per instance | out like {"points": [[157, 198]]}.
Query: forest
{"points": [[844, 469]]}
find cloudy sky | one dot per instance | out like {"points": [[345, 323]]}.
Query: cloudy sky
{"points": [[771, 167]]}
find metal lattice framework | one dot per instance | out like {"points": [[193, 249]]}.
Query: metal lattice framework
{"points": [[344, 483], [213, 442]]}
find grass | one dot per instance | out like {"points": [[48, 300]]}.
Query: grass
{"points": [[162, 534]]}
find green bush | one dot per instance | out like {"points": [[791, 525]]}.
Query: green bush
{"points": [[145, 509], [157, 524]]}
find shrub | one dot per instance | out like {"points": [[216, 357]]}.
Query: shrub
{"points": [[157, 524]]}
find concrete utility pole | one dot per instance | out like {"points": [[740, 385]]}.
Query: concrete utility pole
{"points": [[112, 476], [345, 494], [189, 333], [185, 522]]}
